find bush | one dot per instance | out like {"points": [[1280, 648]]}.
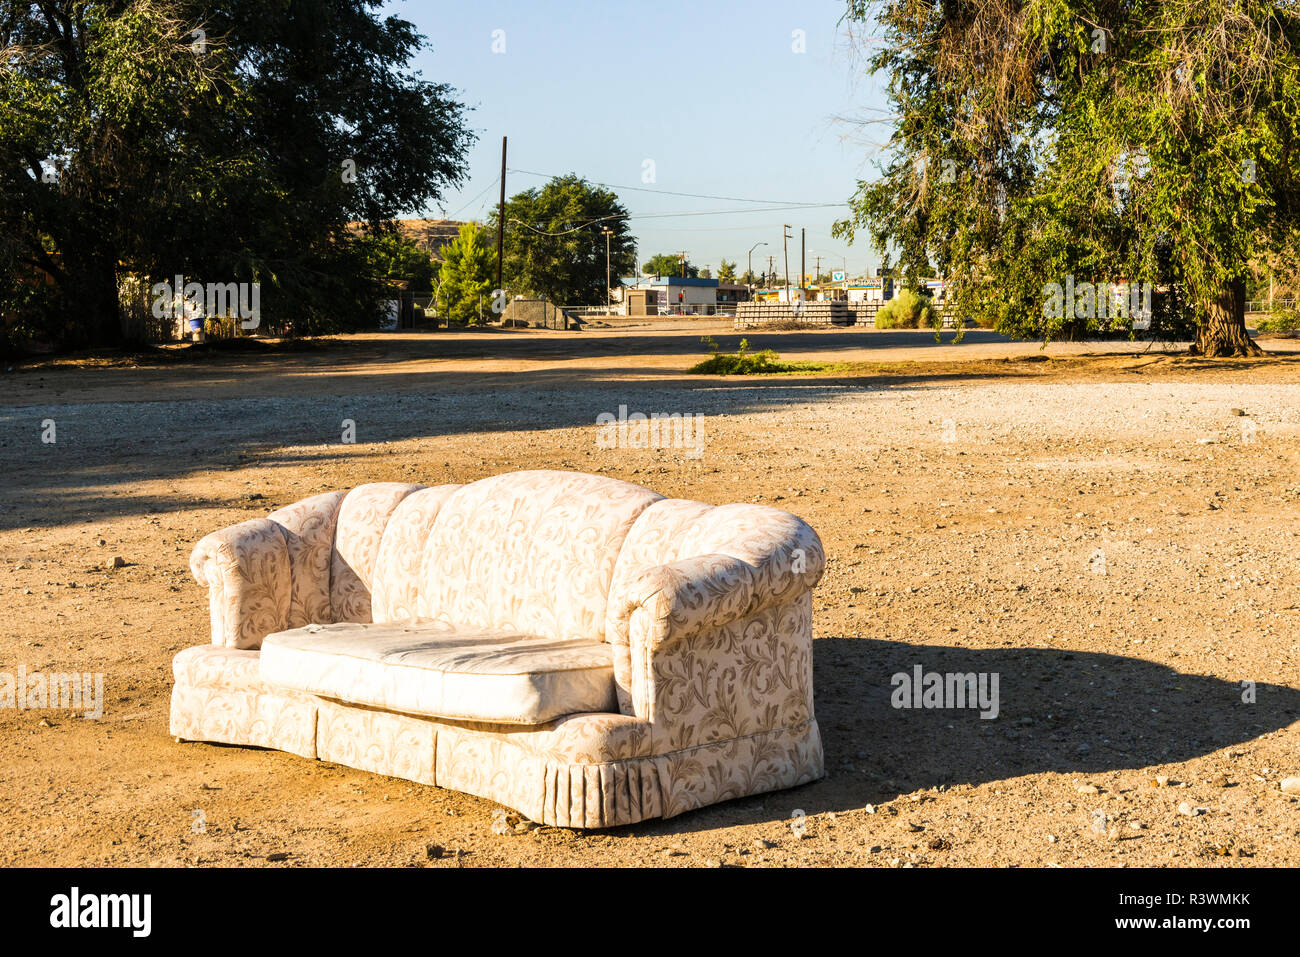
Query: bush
{"points": [[908, 310], [1284, 320], [743, 362]]}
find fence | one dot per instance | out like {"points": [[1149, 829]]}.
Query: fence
{"points": [[1269, 305]]}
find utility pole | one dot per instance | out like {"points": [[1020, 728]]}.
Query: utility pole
{"points": [[682, 255], [817, 272], [803, 265], [771, 271], [608, 232], [501, 213], [785, 246]]}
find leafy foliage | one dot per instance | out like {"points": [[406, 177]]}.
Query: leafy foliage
{"points": [[393, 256], [151, 138], [555, 246], [742, 362], [668, 264], [467, 274], [1147, 142], [1284, 320], [908, 310], [727, 272]]}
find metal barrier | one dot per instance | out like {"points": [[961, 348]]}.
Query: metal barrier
{"points": [[1269, 305]]}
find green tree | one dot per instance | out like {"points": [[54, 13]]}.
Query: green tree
{"points": [[749, 279], [1049, 140], [466, 276], [706, 273], [555, 244], [668, 264], [393, 256], [727, 272], [229, 143]]}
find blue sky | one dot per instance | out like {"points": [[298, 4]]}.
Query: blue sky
{"points": [[712, 92]]}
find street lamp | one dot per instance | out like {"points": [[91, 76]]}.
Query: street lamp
{"points": [[749, 268]]}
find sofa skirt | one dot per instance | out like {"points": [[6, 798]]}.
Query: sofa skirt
{"points": [[532, 771]]}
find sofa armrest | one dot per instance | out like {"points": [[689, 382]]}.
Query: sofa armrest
{"points": [[720, 648], [684, 598], [246, 570]]}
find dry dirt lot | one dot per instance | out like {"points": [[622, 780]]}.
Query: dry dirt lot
{"points": [[1095, 524]]}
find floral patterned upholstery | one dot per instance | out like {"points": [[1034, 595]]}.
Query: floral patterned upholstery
{"points": [[706, 611]]}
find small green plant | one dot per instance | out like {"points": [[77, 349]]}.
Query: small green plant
{"points": [[1284, 320], [743, 362]]}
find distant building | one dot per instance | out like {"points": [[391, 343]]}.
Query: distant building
{"points": [[673, 295]]}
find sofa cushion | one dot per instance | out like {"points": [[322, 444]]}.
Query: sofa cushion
{"points": [[529, 552], [438, 670], [363, 516]]}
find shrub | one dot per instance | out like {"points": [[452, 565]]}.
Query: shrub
{"points": [[908, 310], [743, 362], [1284, 320]]}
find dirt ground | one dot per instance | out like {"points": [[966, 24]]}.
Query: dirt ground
{"points": [[1110, 529]]}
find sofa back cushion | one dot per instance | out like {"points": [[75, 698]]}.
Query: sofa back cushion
{"points": [[395, 591], [529, 551], [363, 517]]}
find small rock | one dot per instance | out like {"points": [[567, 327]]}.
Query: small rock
{"points": [[434, 851], [1160, 781], [1290, 785], [870, 809], [119, 561], [278, 856], [759, 842], [1236, 412], [1088, 789]]}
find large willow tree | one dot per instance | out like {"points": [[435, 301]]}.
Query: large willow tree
{"points": [[1105, 141]]}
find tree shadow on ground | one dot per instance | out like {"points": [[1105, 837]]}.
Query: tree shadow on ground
{"points": [[1060, 711]]}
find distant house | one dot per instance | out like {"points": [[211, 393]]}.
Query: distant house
{"points": [[675, 295]]}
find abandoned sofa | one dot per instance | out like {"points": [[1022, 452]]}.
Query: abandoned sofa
{"points": [[577, 648]]}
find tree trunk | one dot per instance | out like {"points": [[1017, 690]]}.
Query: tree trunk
{"points": [[1223, 331], [92, 306]]}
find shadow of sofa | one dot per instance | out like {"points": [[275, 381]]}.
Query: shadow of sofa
{"points": [[577, 648]]}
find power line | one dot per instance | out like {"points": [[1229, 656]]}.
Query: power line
{"points": [[700, 212], [669, 192], [495, 180]]}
